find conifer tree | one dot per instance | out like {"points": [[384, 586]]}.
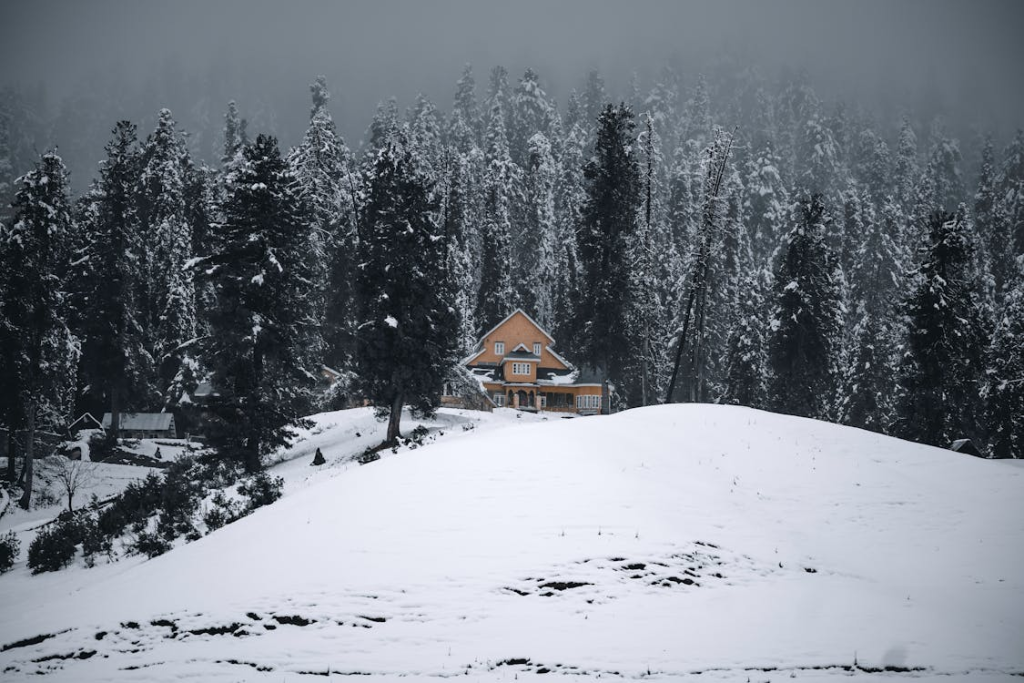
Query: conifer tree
{"points": [[1004, 385], [540, 243], [941, 366], [116, 361], [609, 226], [168, 291], [498, 294], [806, 322], [322, 166], [34, 336], [408, 326], [905, 169], [1010, 201], [531, 114], [745, 348], [261, 273], [464, 126]]}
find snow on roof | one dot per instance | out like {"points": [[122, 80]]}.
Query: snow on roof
{"points": [[147, 422]]}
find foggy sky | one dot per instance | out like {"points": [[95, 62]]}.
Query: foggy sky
{"points": [[967, 52]]}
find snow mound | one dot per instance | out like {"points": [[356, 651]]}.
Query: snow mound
{"points": [[663, 542]]}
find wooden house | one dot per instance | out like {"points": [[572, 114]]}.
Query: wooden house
{"points": [[516, 364]]}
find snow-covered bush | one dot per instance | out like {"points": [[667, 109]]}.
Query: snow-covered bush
{"points": [[54, 547], [9, 548], [222, 511], [261, 490]]}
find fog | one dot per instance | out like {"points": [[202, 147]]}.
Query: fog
{"points": [[125, 58]]}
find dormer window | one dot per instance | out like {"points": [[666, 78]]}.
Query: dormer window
{"points": [[536, 348], [520, 368], [499, 348]]}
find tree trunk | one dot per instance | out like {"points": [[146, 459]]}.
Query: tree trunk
{"points": [[394, 421], [115, 411], [12, 472], [252, 454], [30, 438]]}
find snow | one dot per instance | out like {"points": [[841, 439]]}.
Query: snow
{"points": [[657, 543], [391, 322]]}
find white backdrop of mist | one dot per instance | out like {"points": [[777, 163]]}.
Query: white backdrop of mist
{"points": [[88, 64]]}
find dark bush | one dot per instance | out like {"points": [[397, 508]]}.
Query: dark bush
{"points": [[101, 447], [179, 500], [54, 547], [150, 544], [135, 505], [261, 490], [223, 510], [9, 548]]}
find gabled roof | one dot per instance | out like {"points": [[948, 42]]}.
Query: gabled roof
{"points": [[147, 422], [509, 317]]}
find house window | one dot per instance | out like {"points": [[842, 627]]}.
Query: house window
{"points": [[499, 400], [447, 391], [499, 348], [587, 401], [536, 348], [543, 401], [520, 368]]}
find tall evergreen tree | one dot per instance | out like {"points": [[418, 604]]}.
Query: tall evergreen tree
{"points": [[322, 165], [408, 326], [261, 274], [464, 125], [498, 294], [1004, 384], [806, 322], [941, 366], [34, 336], [116, 361], [610, 220], [168, 288]]}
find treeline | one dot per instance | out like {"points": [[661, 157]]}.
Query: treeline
{"points": [[731, 241]]}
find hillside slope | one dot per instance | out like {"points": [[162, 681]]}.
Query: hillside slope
{"points": [[658, 542]]}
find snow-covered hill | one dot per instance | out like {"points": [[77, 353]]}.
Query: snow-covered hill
{"points": [[664, 542]]}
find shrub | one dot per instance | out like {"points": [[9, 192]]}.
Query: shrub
{"points": [[9, 548], [138, 501], [94, 541], [261, 490], [101, 446], [179, 500], [150, 544], [223, 511], [54, 547]]}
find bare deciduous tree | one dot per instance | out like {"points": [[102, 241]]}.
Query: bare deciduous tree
{"points": [[71, 476]]}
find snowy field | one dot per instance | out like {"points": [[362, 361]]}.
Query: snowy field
{"points": [[702, 543]]}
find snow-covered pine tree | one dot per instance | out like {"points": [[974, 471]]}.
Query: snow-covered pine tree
{"points": [[1010, 201], [407, 324], [1004, 383], [609, 226], [990, 230], [540, 247], [594, 99], [460, 207], [34, 259], [261, 273], [116, 362], [806, 323], [322, 164], [464, 126], [943, 174], [531, 113], [941, 366], [871, 166], [169, 302], [905, 173], [767, 202], [745, 348], [502, 191], [569, 200]]}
